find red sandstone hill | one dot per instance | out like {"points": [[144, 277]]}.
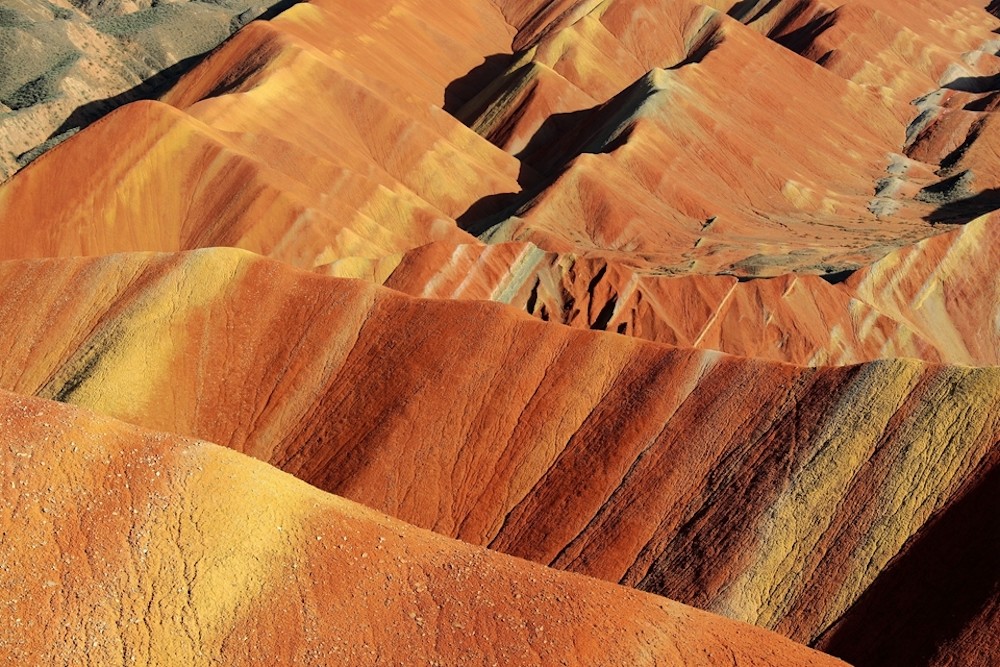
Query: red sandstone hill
{"points": [[308, 139], [937, 300], [133, 547], [770, 493], [348, 243]]}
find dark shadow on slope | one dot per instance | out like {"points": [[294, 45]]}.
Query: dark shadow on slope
{"points": [[950, 162], [491, 210], [557, 141], [762, 12], [965, 210], [740, 10], [501, 133], [151, 88], [604, 128], [551, 150], [700, 51], [837, 277], [946, 574], [273, 11], [561, 137], [798, 41], [948, 190], [985, 103], [462, 90], [975, 84]]}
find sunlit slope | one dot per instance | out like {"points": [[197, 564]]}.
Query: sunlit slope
{"points": [[601, 454], [135, 547], [938, 603], [678, 138], [669, 137], [306, 157], [66, 64], [902, 49]]}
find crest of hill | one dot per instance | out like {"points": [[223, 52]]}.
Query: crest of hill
{"points": [[358, 174], [67, 64]]}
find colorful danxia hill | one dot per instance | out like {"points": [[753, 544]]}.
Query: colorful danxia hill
{"points": [[500, 332]]}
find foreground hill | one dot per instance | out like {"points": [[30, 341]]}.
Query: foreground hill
{"points": [[771, 493], [134, 547]]}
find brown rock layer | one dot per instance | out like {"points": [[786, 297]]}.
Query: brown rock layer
{"points": [[938, 602]]}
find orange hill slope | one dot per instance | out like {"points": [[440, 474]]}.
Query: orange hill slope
{"points": [[132, 547], [65, 64], [311, 138], [913, 614], [680, 138], [772, 493], [299, 152], [673, 171]]}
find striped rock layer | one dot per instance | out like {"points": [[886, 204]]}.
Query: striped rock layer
{"points": [[771, 493], [346, 244], [147, 548], [311, 139], [280, 143], [938, 300]]}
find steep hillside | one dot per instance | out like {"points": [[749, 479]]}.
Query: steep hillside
{"points": [[133, 547], [308, 139], [601, 454], [937, 300], [65, 64], [294, 153]]}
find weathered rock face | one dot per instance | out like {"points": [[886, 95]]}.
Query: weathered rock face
{"points": [[600, 454], [348, 243], [948, 567], [937, 300], [139, 547]]}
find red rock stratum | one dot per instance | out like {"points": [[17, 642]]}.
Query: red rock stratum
{"points": [[768, 492], [937, 300], [146, 548]]}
